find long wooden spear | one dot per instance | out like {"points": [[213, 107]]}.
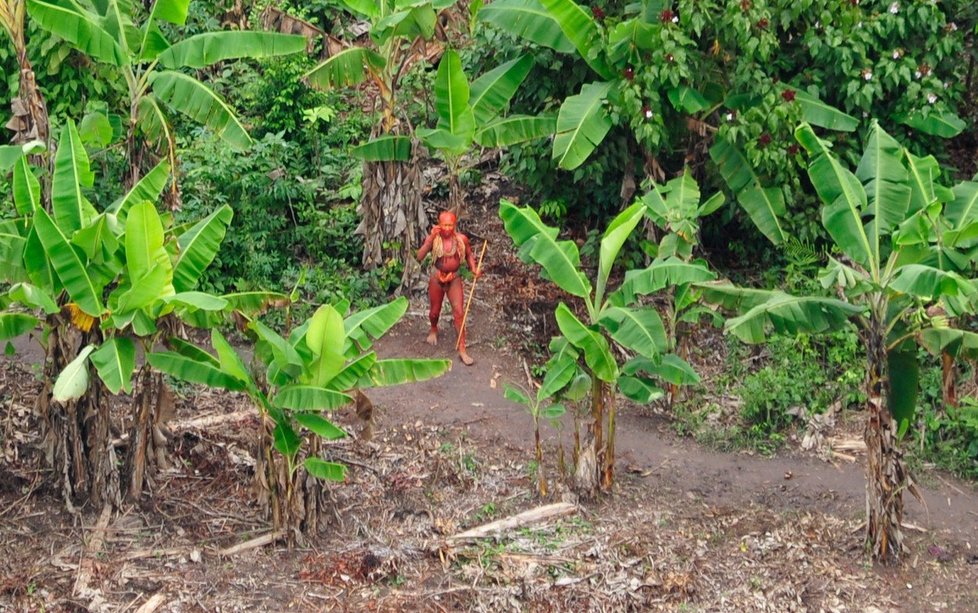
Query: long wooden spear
{"points": [[465, 315]]}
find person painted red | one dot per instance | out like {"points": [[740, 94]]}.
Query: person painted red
{"points": [[448, 248]]}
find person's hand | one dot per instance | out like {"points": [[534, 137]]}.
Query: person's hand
{"points": [[434, 231]]}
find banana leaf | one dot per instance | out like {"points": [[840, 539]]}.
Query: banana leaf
{"points": [[764, 205], [115, 361], [527, 19], [597, 353], [189, 96], [515, 129], [582, 124], [492, 91], [72, 382], [347, 68], [81, 29], [199, 246], [202, 50], [578, 26]]}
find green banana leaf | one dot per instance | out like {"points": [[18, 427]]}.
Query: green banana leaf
{"points": [[963, 210], [929, 283], [73, 379], [657, 276], [944, 125], [115, 360], [764, 205], [82, 30], [582, 123], [325, 337], [452, 96], [579, 27], [844, 200], [72, 173], [791, 314], [416, 22], [197, 301], [322, 428], [347, 68], [527, 19], [308, 398], [384, 149], [13, 325], [923, 172], [687, 100], [618, 231], [351, 374], [820, 114], [189, 350], [443, 140], [638, 329], [189, 96], [367, 8], [34, 297], [886, 183], [27, 189], [172, 11], [202, 50], [514, 130], [148, 189], [198, 247], [560, 372], [193, 370], [322, 469], [229, 360], [363, 327], [957, 343], [68, 264], [385, 373], [538, 243], [597, 353], [491, 92]]}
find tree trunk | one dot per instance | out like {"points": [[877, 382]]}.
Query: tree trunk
{"points": [[147, 441], [393, 223], [77, 438], [949, 383], [886, 473], [294, 500]]}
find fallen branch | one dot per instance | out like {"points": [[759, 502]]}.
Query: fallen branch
{"points": [[261, 541], [198, 423], [152, 604], [495, 528], [86, 566]]}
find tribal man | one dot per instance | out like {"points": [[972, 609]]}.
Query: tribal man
{"points": [[448, 249]]}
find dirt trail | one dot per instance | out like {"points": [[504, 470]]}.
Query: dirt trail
{"points": [[472, 398]]}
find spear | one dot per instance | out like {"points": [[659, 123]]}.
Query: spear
{"points": [[465, 315]]}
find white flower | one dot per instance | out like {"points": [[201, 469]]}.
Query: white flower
{"points": [[730, 116], [947, 84], [931, 98], [648, 113], [675, 18], [916, 74], [896, 54], [952, 27], [868, 75], [895, 8]]}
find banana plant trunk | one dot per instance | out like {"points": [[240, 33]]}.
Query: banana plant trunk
{"points": [[886, 473], [293, 498], [30, 113], [591, 473], [393, 220], [147, 441], [77, 436]]}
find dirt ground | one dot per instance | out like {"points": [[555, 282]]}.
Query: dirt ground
{"points": [[687, 529]]}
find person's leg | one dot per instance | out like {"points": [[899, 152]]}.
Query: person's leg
{"points": [[436, 295], [456, 296]]}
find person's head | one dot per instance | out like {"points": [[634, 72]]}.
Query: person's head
{"points": [[446, 224]]}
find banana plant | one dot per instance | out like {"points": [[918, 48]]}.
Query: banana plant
{"points": [[609, 317], [469, 114], [675, 208], [402, 34], [105, 282], [113, 32], [892, 224], [310, 373], [30, 121]]}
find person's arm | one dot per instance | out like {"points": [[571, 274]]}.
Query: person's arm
{"points": [[428, 242]]}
